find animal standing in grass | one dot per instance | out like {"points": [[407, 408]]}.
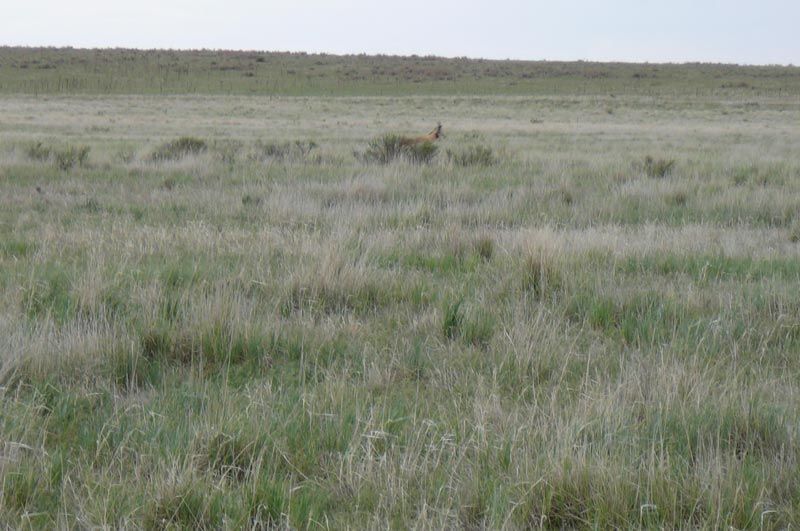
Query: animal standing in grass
{"points": [[430, 137]]}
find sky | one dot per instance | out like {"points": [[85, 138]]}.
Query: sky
{"points": [[732, 31]]}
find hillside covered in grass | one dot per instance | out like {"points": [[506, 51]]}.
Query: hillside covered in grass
{"points": [[120, 71]]}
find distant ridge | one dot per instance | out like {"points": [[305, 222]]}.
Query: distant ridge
{"points": [[133, 71]]}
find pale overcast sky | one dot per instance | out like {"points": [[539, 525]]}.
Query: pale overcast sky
{"points": [[732, 31]]}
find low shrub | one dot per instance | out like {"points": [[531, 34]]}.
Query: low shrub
{"points": [[472, 156], [178, 149], [387, 148]]}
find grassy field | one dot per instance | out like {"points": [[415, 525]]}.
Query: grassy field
{"points": [[219, 310], [120, 71]]}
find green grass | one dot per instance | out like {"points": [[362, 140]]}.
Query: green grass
{"points": [[119, 71], [275, 331]]}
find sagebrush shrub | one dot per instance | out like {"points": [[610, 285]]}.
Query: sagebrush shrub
{"points": [[385, 149], [177, 149]]}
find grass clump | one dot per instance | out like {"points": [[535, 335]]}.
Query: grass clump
{"points": [[638, 319], [129, 369], [453, 319], [184, 505], [327, 298], [38, 152], [295, 150], [267, 504], [251, 200], [67, 158], [227, 150], [49, 293], [540, 276], [742, 174], [178, 149], [484, 246], [478, 329], [17, 248], [232, 456], [30, 486], [472, 156], [387, 148], [161, 344], [679, 198], [658, 168], [794, 232]]}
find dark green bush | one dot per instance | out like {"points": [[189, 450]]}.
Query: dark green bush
{"points": [[387, 148], [177, 149]]}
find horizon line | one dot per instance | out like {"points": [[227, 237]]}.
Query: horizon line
{"points": [[676, 62]]}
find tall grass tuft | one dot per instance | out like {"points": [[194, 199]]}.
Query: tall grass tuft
{"points": [[484, 245], [478, 328], [67, 158], [453, 319], [658, 168], [38, 151], [794, 232], [541, 276]]}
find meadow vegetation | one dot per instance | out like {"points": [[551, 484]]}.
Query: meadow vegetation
{"points": [[121, 71], [224, 314]]}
